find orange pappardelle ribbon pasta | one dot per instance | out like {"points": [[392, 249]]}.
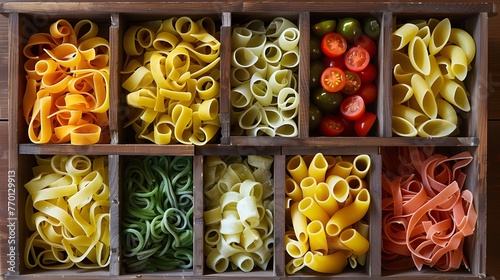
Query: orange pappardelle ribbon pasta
{"points": [[67, 211], [326, 201], [171, 77], [67, 90], [426, 212]]}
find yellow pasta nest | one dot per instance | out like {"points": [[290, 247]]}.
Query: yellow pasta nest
{"points": [[172, 80], [68, 211]]}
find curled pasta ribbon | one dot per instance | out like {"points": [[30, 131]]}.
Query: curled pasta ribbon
{"points": [[172, 80], [430, 71], [264, 97], [68, 211], [324, 224], [426, 196], [239, 217], [67, 92], [157, 228]]}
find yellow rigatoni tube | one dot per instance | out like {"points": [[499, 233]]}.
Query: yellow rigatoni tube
{"points": [[317, 168], [333, 263], [317, 237], [312, 210], [354, 241], [349, 214]]}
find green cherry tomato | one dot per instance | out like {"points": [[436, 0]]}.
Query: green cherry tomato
{"points": [[317, 68], [321, 28], [371, 28], [315, 116], [315, 48], [350, 28], [327, 102]]}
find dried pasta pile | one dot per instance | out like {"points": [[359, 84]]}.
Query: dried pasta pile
{"points": [[157, 225], [172, 80], [68, 211], [239, 212], [326, 200], [427, 213], [264, 86], [67, 90], [431, 60]]}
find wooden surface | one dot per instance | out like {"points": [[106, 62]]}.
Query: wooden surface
{"points": [[493, 198]]}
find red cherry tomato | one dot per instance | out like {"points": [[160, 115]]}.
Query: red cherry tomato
{"points": [[368, 92], [369, 74], [366, 43], [348, 126], [333, 44], [335, 62], [356, 59], [352, 83], [363, 125], [331, 126], [333, 79], [352, 107]]}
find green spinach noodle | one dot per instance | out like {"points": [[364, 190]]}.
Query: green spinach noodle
{"points": [[157, 224]]}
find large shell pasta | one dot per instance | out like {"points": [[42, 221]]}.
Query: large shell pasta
{"points": [[66, 99], [264, 91], [324, 228], [176, 61], [429, 75]]}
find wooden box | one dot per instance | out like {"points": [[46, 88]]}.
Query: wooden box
{"points": [[114, 18]]}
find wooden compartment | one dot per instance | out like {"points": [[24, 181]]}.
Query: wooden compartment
{"points": [[271, 194], [26, 175], [472, 244], [371, 267], [113, 20]]}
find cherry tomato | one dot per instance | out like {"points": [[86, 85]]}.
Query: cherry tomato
{"points": [[349, 28], [368, 92], [333, 44], [333, 79], [366, 43], [331, 126], [363, 125], [335, 62], [315, 48], [352, 82], [317, 68], [327, 102], [371, 27], [326, 26], [369, 74], [348, 127], [352, 107], [356, 59], [315, 117]]}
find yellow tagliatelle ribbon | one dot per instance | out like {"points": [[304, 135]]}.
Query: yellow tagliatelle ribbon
{"points": [[67, 92], [68, 210], [172, 80]]}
